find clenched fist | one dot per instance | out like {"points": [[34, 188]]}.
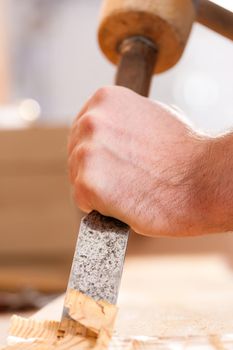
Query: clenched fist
{"points": [[136, 160]]}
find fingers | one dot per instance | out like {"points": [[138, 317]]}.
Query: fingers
{"points": [[79, 165], [73, 165], [93, 149], [82, 195], [74, 132], [88, 111], [78, 160], [83, 129]]}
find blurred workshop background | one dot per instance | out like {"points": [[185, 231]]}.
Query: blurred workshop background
{"points": [[50, 64]]}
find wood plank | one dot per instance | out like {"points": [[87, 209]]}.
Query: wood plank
{"points": [[37, 215], [47, 277], [37, 211], [33, 145], [170, 296], [92, 329], [38, 220]]}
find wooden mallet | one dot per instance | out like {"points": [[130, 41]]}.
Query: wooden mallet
{"points": [[143, 37]]}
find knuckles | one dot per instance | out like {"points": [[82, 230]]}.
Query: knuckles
{"points": [[86, 145], [105, 92], [96, 118], [102, 93], [89, 124], [83, 153], [86, 156]]}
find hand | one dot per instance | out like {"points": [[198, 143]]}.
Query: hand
{"points": [[136, 160]]}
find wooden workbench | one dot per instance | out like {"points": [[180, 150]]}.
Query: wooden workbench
{"points": [[170, 296]]}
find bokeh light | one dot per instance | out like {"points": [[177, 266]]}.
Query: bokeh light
{"points": [[29, 110]]}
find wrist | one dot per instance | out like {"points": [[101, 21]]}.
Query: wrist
{"points": [[212, 189]]}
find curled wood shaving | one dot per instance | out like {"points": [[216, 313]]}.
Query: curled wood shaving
{"points": [[95, 315], [92, 329]]}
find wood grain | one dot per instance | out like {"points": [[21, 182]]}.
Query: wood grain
{"points": [[5, 324], [171, 297], [90, 327], [36, 207]]}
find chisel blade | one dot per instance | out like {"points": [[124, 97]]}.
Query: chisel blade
{"points": [[99, 258]]}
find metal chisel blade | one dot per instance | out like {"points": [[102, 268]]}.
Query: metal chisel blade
{"points": [[99, 257]]}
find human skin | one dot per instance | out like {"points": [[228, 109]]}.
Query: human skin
{"points": [[139, 161]]}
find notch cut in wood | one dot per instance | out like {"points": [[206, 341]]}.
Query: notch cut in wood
{"points": [[91, 327]]}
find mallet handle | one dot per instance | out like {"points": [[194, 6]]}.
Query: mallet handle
{"points": [[215, 17]]}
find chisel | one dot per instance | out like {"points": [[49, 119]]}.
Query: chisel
{"points": [[124, 38]]}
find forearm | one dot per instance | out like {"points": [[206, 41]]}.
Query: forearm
{"points": [[212, 197]]}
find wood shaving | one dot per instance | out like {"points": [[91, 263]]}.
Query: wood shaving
{"points": [[92, 329]]}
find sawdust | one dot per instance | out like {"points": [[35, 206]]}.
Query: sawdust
{"points": [[92, 329]]}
